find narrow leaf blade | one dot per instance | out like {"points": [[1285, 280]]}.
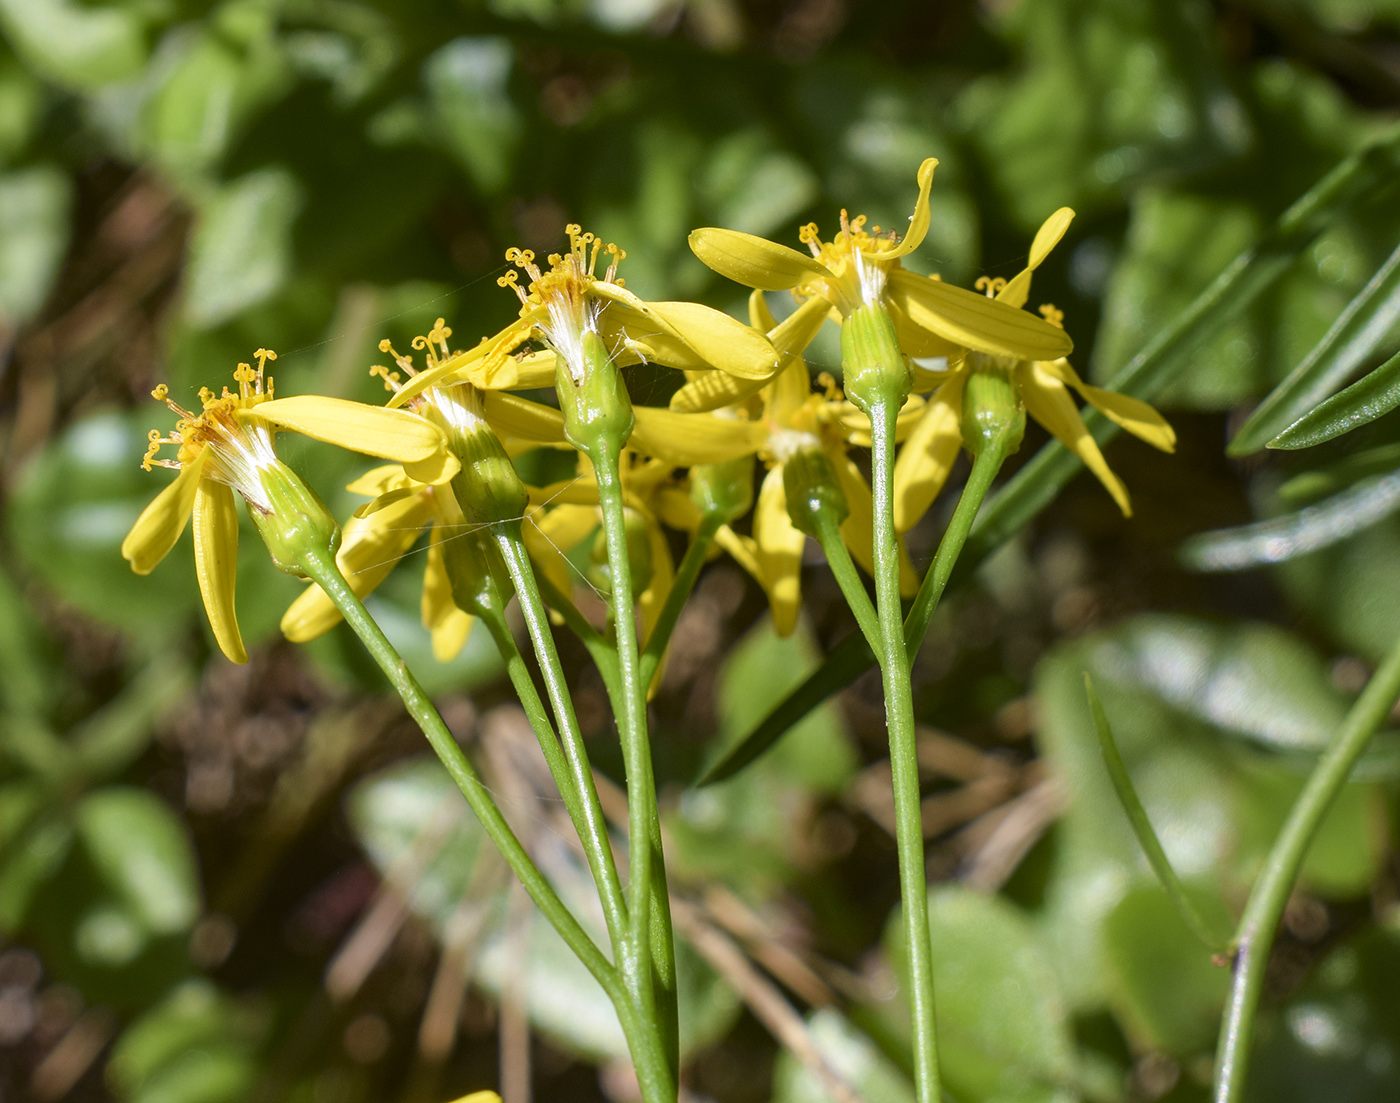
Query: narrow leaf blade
{"points": [[1370, 397]]}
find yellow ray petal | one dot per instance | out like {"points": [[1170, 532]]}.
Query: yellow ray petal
{"points": [[674, 507], [741, 549], [760, 317], [511, 415], [663, 573], [778, 548], [373, 430], [549, 536], [721, 341], [973, 320], [381, 480], [922, 466], [1135, 416], [754, 261], [713, 390], [369, 549], [918, 222], [1049, 403], [216, 563], [787, 393], [436, 602], [451, 634], [916, 341], [535, 371], [858, 529], [795, 332], [161, 522], [687, 439], [1047, 237], [470, 364]]}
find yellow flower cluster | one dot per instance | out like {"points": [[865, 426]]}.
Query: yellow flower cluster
{"points": [[747, 392]]}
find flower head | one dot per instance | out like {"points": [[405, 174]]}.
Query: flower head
{"points": [[1043, 386], [227, 446], [864, 268], [568, 300]]}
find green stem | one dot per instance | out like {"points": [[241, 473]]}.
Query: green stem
{"points": [[904, 767], [599, 650], [649, 917], [1255, 936], [321, 568], [838, 557], [979, 482], [588, 815], [681, 587]]}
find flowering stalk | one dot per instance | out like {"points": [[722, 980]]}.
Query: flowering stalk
{"points": [[878, 382], [1255, 935]]}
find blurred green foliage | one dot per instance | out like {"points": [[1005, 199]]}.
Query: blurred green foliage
{"points": [[336, 171]]}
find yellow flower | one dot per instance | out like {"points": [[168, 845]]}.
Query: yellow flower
{"points": [[1043, 385], [784, 419], [227, 447], [861, 267], [562, 304], [376, 540]]}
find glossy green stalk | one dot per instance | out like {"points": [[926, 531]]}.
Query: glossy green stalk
{"points": [[320, 567], [681, 587], [592, 827], [893, 657], [1255, 936], [838, 558], [649, 917]]}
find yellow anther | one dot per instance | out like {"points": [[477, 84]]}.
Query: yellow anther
{"points": [[827, 382], [1053, 314], [992, 285], [555, 260], [160, 392]]}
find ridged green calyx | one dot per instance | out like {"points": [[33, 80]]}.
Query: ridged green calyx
{"points": [[488, 488], [480, 584], [597, 410], [298, 524], [872, 366], [993, 414], [812, 488], [723, 490]]}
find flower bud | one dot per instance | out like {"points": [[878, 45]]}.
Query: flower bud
{"points": [[873, 368], [488, 488], [992, 414], [812, 488], [480, 584], [596, 408], [638, 556], [297, 524], [723, 490]]}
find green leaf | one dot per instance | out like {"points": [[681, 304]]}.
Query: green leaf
{"points": [[241, 252], [1338, 518], [1370, 397], [467, 88], [1165, 982], [849, 1053], [1351, 589], [77, 46], [35, 208], [1357, 333], [195, 1046], [112, 738], [25, 866], [1003, 1025], [142, 851], [1213, 722]]}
